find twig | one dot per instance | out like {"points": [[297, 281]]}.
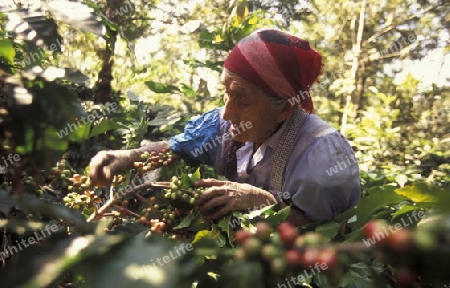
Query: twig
{"points": [[128, 211], [102, 210], [165, 185]]}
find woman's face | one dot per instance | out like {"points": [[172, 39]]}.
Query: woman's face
{"points": [[245, 103]]}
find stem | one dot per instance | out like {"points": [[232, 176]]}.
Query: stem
{"points": [[128, 211], [165, 185], [97, 215]]}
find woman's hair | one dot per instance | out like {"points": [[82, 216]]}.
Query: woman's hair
{"points": [[278, 102]]}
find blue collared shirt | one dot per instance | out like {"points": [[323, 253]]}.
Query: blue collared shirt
{"points": [[321, 176]]}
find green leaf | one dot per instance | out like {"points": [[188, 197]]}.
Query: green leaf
{"points": [[205, 235], [377, 199], [243, 275], [202, 235], [7, 50], [329, 229], [54, 141], [186, 222], [405, 209], [34, 205], [160, 88], [138, 263], [423, 193], [278, 217], [196, 175], [225, 227], [104, 126]]}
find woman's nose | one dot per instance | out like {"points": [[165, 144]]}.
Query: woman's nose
{"points": [[230, 109]]}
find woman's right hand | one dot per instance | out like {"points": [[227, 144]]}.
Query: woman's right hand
{"points": [[106, 164]]}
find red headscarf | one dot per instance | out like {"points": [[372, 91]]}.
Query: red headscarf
{"points": [[279, 63]]}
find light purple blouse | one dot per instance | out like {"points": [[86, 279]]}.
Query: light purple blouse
{"points": [[321, 175]]}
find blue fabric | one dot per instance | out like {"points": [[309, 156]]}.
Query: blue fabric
{"points": [[199, 139]]}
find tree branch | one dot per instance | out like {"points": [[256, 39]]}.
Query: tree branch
{"points": [[388, 28]]}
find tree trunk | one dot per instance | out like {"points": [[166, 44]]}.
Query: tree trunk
{"points": [[103, 86], [355, 65]]}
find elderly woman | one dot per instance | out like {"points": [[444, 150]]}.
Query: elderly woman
{"points": [[265, 139]]}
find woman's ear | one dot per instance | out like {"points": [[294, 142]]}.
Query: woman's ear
{"points": [[287, 110]]}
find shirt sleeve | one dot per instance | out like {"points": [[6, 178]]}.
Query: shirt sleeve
{"points": [[324, 180], [199, 138]]}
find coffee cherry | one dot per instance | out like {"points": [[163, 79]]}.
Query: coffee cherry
{"points": [[138, 164], [277, 266], [374, 226], [241, 236], [328, 256], [310, 257], [239, 253], [424, 240], [269, 252], [263, 231], [400, 240], [252, 247], [293, 258], [143, 220], [405, 278], [288, 233]]}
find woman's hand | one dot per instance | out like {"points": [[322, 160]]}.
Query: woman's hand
{"points": [[106, 164], [224, 196]]}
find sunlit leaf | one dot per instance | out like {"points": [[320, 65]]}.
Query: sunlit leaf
{"points": [[7, 50], [160, 88], [104, 126]]}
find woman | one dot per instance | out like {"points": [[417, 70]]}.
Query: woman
{"points": [[269, 148]]}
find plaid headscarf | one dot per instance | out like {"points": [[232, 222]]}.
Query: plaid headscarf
{"points": [[279, 63]]}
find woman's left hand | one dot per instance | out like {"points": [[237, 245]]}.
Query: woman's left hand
{"points": [[224, 196]]}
